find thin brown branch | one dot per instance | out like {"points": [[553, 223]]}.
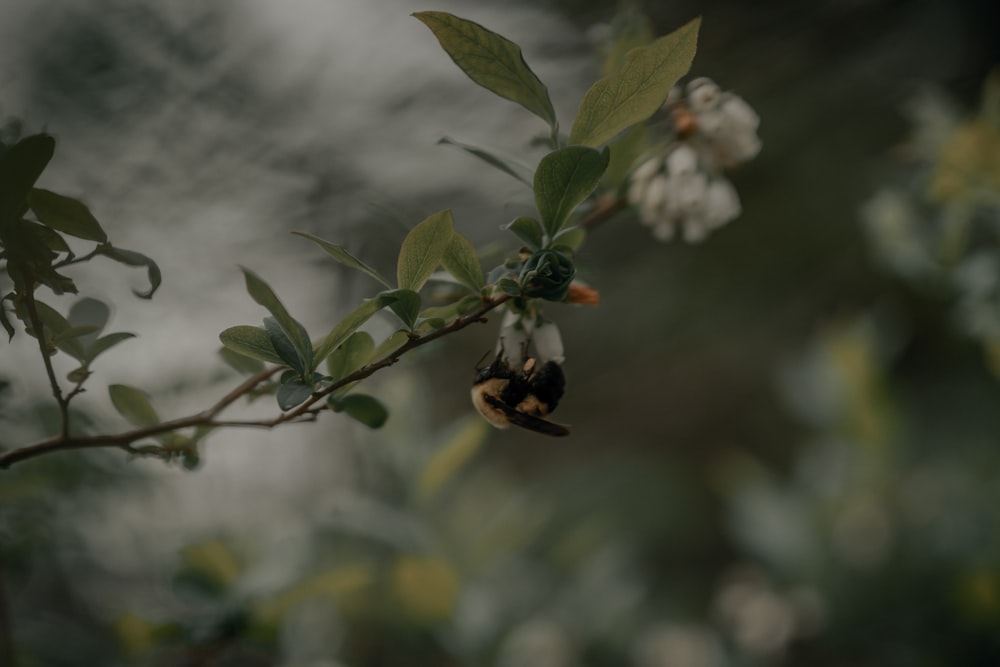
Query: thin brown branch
{"points": [[305, 411]]}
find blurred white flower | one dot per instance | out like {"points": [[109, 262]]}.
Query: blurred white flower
{"points": [[677, 645], [673, 193], [683, 189], [538, 642]]}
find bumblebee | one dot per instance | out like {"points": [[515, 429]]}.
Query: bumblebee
{"points": [[524, 396]]}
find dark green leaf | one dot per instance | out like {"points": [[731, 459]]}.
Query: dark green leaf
{"points": [[52, 239], [452, 310], [564, 179], [521, 172], [105, 343], [66, 215], [423, 249], [5, 322], [350, 355], [241, 363], [406, 305], [284, 347], [637, 90], [509, 286], [366, 409], [132, 258], [293, 393], [262, 293], [20, 167], [133, 404], [350, 324], [344, 257], [528, 230], [492, 61], [251, 342], [461, 260]]}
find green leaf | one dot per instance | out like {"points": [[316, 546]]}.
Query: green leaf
{"points": [[8, 326], [637, 90], [528, 230], [564, 179], [52, 239], [391, 344], [133, 404], [452, 310], [66, 215], [521, 172], [462, 261], [492, 61], [406, 305], [105, 343], [423, 249], [350, 324], [240, 363], [284, 347], [350, 355], [624, 152], [366, 409], [251, 342], [20, 167], [132, 258], [344, 257], [570, 238], [293, 393], [262, 293]]}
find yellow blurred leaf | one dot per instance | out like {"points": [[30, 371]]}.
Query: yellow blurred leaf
{"points": [[969, 163], [451, 456], [426, 588], [135, 634], [214, 560]]}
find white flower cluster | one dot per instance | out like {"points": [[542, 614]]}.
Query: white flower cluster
{"points": [[685, 187], [537, 337]]}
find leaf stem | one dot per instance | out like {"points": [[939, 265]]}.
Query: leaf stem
{"points": [[36, 324]]}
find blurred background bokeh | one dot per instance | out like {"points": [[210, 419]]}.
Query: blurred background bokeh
{"points": [[786, 439]]}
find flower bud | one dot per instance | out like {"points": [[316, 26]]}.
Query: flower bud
{"points": [[547, 275]]}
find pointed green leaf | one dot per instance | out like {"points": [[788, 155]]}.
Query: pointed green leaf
{"points": [[528, 230], [636, 91], [293, 393], [241, 363], [133, 404], [132, 258], [20, 167], [564, 179], [105, 343], [50, 237], [406, 305], [422, 250], [521, 172], [251, 342], [350, 324], [624, 153], [344, 257], [366, 409], [284, 347], [452, 310], [350, 355], [262, 293], [492, 61], [461, 260], [66, 215]]}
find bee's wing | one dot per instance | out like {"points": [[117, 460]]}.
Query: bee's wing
{"points": [[524, 420]]}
